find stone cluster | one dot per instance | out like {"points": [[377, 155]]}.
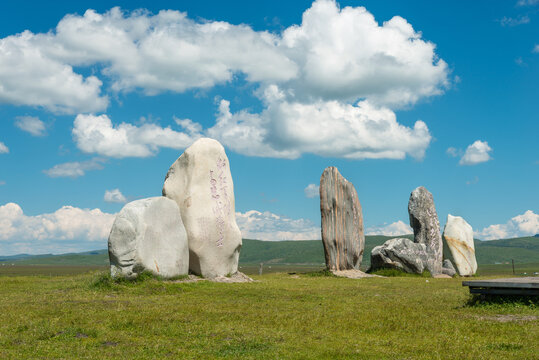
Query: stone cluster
{"points": [[192, 227], [427, 251]]}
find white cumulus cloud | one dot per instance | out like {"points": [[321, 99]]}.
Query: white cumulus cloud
{"points": [[312, 191], [114, 196], [476, 153], [536, 48], [75, 169], [526, 224], [31, 124], [67, 229], [29, 76], [271, 227], [97, 134], [3, 148], [394, 229], [289, 129], [345, 54]]}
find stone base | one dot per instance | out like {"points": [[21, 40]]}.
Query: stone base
{"points": [[353, 274], [238, 277]]}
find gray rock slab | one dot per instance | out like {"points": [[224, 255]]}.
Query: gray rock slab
{"points": [[200, 182], [148, 235], [342, 221], [448, 268], [424, 221], [401, 254]]}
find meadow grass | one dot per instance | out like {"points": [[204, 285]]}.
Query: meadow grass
{"points": [[281, 316]]}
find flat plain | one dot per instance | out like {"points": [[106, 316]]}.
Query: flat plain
{"points": [[281, 315]]}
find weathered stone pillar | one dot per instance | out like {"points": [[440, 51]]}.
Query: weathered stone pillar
{"points": [[424, 221], [342, 221]]}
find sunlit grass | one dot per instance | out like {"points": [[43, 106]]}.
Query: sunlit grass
{"points": [[280, 316]]}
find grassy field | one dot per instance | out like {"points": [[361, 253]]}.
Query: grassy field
{"points": [[279, 316]]}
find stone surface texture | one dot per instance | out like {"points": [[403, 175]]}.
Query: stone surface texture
{"points": [[448, 268], [424, 221], [459, 245], [401, 254], [201, 184], [148, 235], [342, 222]]}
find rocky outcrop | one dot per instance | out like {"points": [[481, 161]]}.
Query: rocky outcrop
{"points": [[401, 254], [447, 268], [424, 222], [459, 245], [148, 235], [342, 222], [201, 184]]}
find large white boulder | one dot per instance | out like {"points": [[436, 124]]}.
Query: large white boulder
{"points": [[148, 235], [459, 245], [201, 184]]}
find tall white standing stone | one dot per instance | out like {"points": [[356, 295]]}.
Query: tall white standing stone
{"points": [[201, 184], [148, 235], [459, 246]]}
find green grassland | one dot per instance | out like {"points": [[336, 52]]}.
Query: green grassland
{"points": [[278, 317]]}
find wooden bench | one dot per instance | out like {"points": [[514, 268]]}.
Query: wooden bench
{"points": [[528, 286]]}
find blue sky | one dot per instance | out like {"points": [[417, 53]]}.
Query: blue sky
{"points": [[98, 98]]}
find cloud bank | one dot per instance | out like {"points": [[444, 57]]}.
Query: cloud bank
{"points": [[393, 229], [526, 224], [336, 78], [67, 229], [271, 227]]}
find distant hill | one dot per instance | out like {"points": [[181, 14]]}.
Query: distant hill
{"points": [[96, 257], [522, 250]]}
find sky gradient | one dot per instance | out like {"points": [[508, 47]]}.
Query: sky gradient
{"points": [[98, 99]]}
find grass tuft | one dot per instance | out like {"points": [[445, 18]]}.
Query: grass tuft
{"points": [[320, 273], [399, 273], [105, 281]]}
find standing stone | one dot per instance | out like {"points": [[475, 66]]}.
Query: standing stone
{"points": [[459, 246], [342, 222], [148, 235], [401, 254], [201, 184], [424, 221]]}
